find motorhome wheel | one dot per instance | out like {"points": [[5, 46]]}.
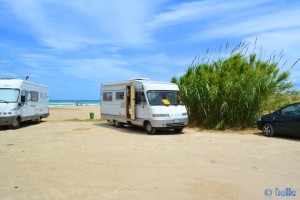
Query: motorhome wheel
{"points": [[15, 124], [38, 120], [178, 130], [149, 128], [118, 124]]}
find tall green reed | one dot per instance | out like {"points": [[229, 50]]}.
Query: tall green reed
{"points": [[232, 92]]}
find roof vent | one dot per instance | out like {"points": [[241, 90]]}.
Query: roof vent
{"points": [[139, 79]]}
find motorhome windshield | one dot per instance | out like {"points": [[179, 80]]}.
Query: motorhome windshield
{"points": [[9, 95], [158, 98]]}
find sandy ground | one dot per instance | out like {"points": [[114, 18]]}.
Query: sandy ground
{"points": [[75, 112], [92, 160]]}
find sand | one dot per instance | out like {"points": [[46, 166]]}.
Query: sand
{"points": [[73, 112], [59, 159]]}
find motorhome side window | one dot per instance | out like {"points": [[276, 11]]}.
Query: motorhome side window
{"points": [[107, 96], [120, 95], [31, 96], [34, 96]]}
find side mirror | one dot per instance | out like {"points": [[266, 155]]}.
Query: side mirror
{"points": [[22, 99]]}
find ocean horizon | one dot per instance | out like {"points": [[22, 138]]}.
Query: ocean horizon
{"points": [[55, 103]]}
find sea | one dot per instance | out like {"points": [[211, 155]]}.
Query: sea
{"points": [[56, 103]]}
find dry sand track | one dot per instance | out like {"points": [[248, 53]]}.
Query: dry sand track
{"points": [[91, 160]]}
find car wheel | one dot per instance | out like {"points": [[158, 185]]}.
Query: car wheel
{"points": [[178, 130], [268, 130], [118, 124], [149, 128], [15, 124]]}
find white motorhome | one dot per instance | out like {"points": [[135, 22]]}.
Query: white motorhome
{"points": [[21, 101], [140, 102]]}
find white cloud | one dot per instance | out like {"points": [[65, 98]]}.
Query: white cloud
{"points": [[43, 65], [7, 75], [104, 69], [101, 68], [254, 25], [101, 36], [4, 62], [159, 63], [286, 40], [201, 10], [76, 24], [274, 23]]}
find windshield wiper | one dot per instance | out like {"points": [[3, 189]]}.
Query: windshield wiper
{"points": [[4, 101]]}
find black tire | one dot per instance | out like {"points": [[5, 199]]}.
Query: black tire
{"points": [[268, 130], [37, 120], [178, 130], [149, 128], [16, 124], [118, 124]]}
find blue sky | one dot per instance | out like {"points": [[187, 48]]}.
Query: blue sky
{"points": [[73, 45]]}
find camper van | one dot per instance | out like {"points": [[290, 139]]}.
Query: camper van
{"points": [[21, 101], [140, 102]]}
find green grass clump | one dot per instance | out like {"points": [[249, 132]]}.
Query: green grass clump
{"points": [[232, 92]]}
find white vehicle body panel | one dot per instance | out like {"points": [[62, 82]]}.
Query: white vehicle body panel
{"points": [[30, 103]]}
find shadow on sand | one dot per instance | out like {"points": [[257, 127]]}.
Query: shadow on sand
{"points": [[136, 129], [22, 125], [280, 136]]}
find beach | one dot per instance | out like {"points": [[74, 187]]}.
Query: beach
{"points": [[72, 113], [64, 158]]}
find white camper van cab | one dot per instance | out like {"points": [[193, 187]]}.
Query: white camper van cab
{"points": [[21, 101], [140, 102]]}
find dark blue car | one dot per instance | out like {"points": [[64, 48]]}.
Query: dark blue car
{"points": [[286, 120]]}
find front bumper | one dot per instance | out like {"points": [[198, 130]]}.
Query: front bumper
{"points": [[259, 125], [169, 123], [7, 120]]}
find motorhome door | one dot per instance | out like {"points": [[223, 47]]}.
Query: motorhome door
{"points": [[131, 102], [141, 109], [24, 106]]}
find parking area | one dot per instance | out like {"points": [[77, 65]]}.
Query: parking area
{"points": [[89, 160]]}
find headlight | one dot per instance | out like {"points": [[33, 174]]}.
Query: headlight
{"points": [[184, 114], [259, 119], [160, 115], [6, 113]]}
